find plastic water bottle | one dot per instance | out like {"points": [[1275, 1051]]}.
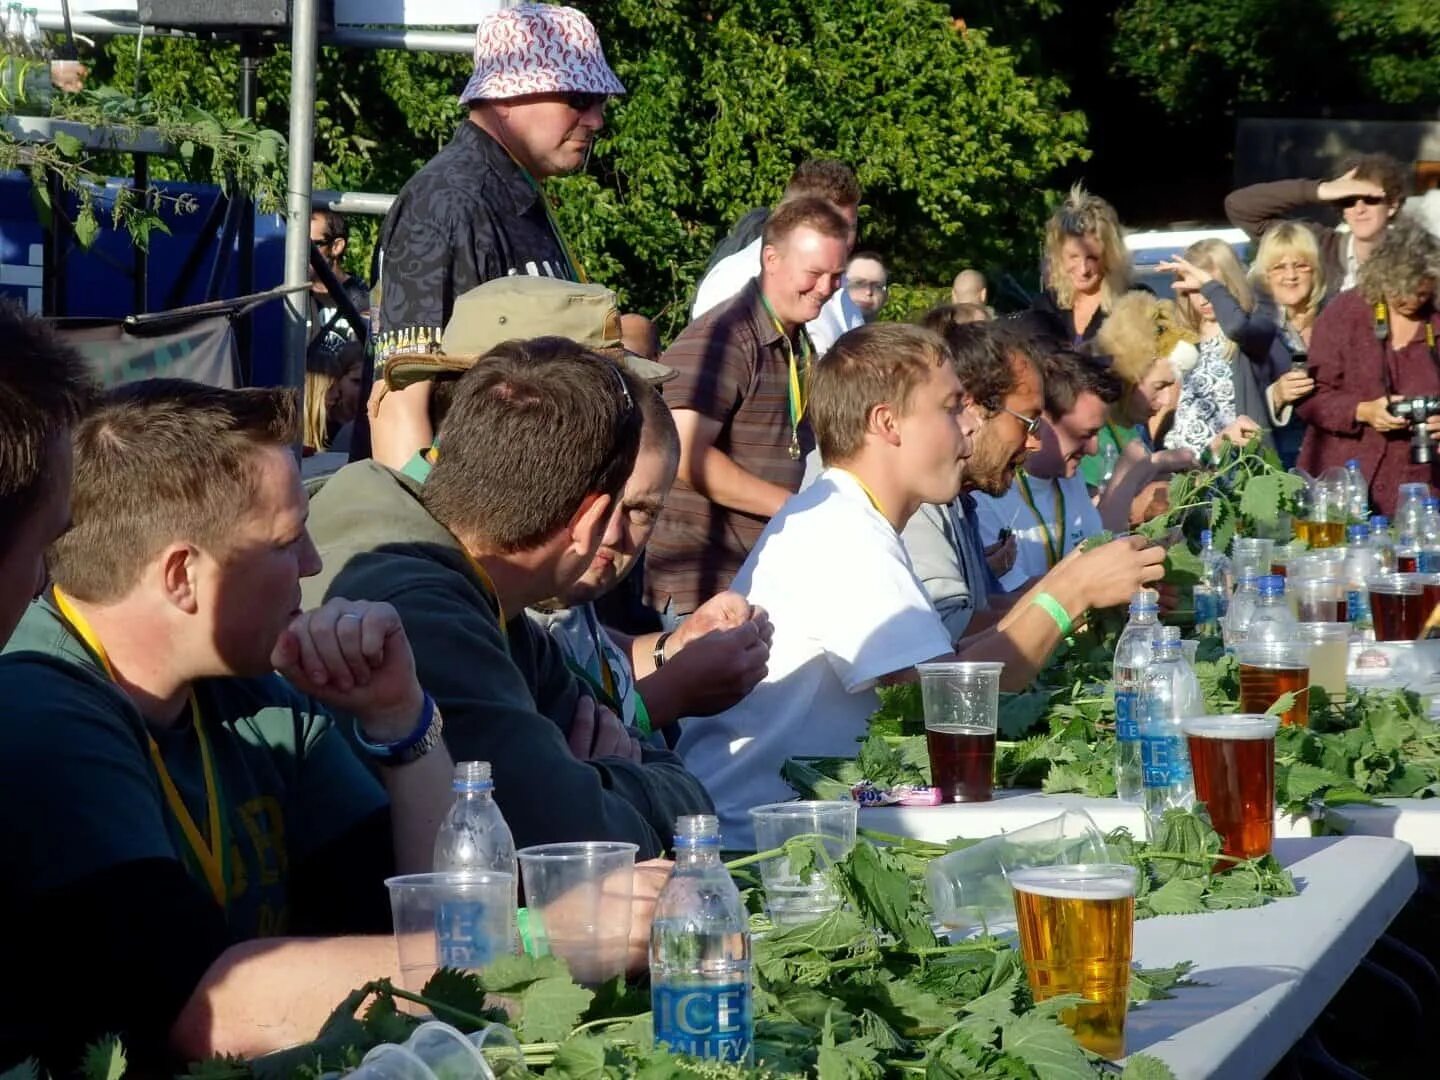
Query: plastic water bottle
{"points": [[1272, 620], [1428, 559], [32, 37], [474, 835], [1212, 591], [700, 989], [1359, 491], [1242, 607], [1109, 458], [1363, 560], [1382, 540], [14, 26], [1171, 693], [1132, 659]]}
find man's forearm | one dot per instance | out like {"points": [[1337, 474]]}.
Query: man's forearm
{"points": [[272, 993], [722, 481], [1026, 638]]}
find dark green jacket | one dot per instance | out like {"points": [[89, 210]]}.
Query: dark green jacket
{"points": [[506, 694]]}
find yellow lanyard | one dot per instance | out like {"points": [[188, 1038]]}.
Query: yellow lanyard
{"points": [[866, 489], [607, 677], [213, 859], [1054, 548], [799, 384]]}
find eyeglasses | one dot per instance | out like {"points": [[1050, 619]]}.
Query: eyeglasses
{"points": [[583, 103], [1369, 200], [1291, 267], [1030, 423], [626, 399], [856, 285]]}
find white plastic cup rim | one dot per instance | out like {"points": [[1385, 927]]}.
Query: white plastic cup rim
{"points": [[1275, 652], [810, 808], [1083, 881], [579, 851], [962, 668], [448, 879], [1395, 584], [1314, 632], [1232, 726]]}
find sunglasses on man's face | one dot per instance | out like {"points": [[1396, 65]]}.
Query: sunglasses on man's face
{"points": [[583, 103], [1369, 200]]}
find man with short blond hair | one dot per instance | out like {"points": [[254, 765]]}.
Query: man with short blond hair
{"points": [[740, 403], [181, 800], [894, 430]]}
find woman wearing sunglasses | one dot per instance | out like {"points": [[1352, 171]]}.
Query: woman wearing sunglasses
{"points": [[1367, 195]]}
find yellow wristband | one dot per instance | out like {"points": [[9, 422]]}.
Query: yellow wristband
{"points": [[1056, 610]]}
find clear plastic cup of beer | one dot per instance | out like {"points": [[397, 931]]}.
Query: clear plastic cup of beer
{"points": [[1271, 669], [962, 708], [1077, 926], [1233, 758]]}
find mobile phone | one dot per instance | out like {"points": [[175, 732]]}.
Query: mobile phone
{"points": [[1300, 361], [1003, 535]]}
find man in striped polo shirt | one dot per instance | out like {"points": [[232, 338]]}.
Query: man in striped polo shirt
{"points": [[739, 405]]}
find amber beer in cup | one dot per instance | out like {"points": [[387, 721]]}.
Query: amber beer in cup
{"points": [[1269, 670], [1233, 758], [1397, 605], [1077, 928], [962, 706]]}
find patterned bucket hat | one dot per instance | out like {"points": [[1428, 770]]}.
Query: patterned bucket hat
{"points": [[538, 49]]}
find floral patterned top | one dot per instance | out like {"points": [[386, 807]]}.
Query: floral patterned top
{"points": [[1207, 399]]}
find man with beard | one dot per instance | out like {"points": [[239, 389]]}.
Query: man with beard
{"points": [[1003, 382]]}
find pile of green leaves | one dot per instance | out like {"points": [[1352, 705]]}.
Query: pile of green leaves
{"points": [[866, 992], [1377, 744]]}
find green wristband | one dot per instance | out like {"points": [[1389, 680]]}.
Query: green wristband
{"points": [[1056, 610], [522, 925]]}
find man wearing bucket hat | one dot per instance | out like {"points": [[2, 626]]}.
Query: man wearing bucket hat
{"points": [[477, 210], [709, 665]]}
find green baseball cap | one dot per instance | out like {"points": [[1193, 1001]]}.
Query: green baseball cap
{"points": [[519, 307]]}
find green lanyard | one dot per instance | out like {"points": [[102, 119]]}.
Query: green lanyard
{"points": [[799, 375], [1054, 547]]}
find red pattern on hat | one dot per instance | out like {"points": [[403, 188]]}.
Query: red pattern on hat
{"points": [[538, 49]]}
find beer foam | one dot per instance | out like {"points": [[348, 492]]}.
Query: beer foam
{"points": [[1233, 726], [1076, 882]]}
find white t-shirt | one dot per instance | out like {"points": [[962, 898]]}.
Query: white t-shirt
{"points": [[1010, 511], [847, 609], [733, 273]]}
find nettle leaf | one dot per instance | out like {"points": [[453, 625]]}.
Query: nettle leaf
{"points": [[1301, 781], [105, 1058], [1178, 896], [69, 146], [880, 887], [26, 1070], [581, 1057], [1146, 1067], [1047, 1046], [1155, 984]]}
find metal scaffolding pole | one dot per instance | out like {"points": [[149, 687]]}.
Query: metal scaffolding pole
{"points": [[304, 52]]}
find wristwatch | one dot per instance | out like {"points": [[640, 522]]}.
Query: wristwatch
{"points": [[412, 747]]}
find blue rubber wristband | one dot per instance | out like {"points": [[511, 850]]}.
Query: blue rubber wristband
{"points": [[396, 751]]}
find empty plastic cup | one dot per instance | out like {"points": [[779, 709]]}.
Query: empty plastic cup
{"points": [[970, 888], [791, 899], [579, 898], [460, 919]]}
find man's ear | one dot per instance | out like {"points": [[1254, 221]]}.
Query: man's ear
{"points": [[588, 523], [884, 423], [338, 246], [177, 577]]}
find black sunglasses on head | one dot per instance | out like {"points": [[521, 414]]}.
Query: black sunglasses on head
{"points": [[1369, 200]]}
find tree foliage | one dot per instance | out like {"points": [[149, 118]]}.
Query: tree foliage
{"points": [[1194, 56], [955, 146]]}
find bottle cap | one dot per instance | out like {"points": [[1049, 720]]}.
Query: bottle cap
{"points": [[1357, 532], [1207, 537], [1272, 585], [472, 776], [1379, 521], [1145, 600], [1353, 463], [696, 829]]}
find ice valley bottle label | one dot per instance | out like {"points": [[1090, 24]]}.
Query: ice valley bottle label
{"points": [[705, 1020]]}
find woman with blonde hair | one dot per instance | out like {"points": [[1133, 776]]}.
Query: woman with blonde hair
{"points": [[1148, 350], [332, 396], [1086, 268], [1226, 395], [1374, 347]]}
